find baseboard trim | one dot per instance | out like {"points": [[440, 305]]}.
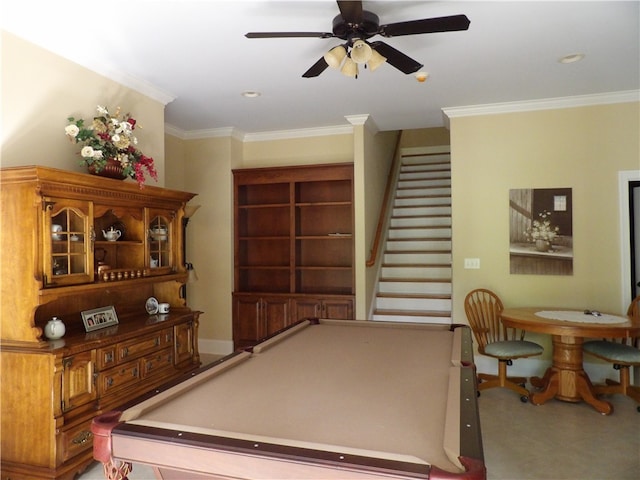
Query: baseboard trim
{"points": [[215, 347]]}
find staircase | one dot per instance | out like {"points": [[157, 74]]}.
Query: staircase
{"points": [[414, 283]]}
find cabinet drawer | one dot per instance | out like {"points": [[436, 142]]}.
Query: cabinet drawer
{"points": [[145, 344], [154, 363], [118, 377], [106, 357], [76, 440]]}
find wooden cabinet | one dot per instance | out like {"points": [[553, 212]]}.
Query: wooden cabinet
{"points": [[67, 256], [294, 243], [258, 316], [55, 225], [78, 385], [335, 308]]}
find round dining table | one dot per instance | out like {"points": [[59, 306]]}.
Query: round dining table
{"points": [[566, 379]]}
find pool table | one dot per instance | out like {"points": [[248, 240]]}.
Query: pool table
{"points": [[323, 399]]}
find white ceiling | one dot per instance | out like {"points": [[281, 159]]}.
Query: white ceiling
{"points": [[195, 54]]}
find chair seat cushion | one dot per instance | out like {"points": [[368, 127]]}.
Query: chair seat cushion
{"points": [[513, 349], [613, 352]]}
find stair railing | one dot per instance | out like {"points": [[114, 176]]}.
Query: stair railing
{"points": [[385, 203]]}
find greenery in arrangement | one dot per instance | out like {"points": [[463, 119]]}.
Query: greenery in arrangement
{"points": [[110, 137], [542, 229]]}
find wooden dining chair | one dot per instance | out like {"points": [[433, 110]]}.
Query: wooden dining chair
{"points": [[623, 353], [483, 309]]}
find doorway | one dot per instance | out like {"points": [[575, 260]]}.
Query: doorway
{"points": [[629, 198], [634, 236]]}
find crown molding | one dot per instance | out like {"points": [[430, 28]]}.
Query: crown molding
{"points": [[206, 133], [137, 84], [365, 120], [259, 136], [299, 133], [542, 104]]}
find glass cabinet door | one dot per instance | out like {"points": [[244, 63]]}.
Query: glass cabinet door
{"points": [[67, 243], [160, 256]]}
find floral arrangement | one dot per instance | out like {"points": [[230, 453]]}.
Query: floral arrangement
{"points": [[110, 137], [542, 229]]}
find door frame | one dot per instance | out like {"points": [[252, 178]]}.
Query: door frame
{"points": [[624, 179]]}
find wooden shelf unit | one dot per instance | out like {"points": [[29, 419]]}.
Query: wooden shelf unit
{"points": [[52, 389], [293, 242]]}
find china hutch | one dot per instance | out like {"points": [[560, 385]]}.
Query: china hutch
{"points": [[59, 260], [294, 249]]}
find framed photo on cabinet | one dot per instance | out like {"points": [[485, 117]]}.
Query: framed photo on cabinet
{"points": [[98, 318]]}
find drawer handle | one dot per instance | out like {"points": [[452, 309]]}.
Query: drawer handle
{"points": [[82, 438], [109, 381], [125, 352]]}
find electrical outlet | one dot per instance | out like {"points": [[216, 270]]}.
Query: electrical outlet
{"points": [[472, 263]]}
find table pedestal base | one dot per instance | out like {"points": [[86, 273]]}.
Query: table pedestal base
{"points": [[566, 380]]}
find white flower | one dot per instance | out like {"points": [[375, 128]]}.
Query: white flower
{"points": [[97, 154], [87, 152], [72, 130], [102, 110], [115, 138]]}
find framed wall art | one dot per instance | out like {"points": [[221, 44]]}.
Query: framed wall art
{"points": [[541, 231]]}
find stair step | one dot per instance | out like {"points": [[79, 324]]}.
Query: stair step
{"points": [[415, 258], [425, 159], [424, 210], [423, 222], [413, 303], [413, 287], [433, 272], [419, 232], [416, 192], [412, 316], [423, 183], [424, 175], [419, 244], [428, 167], [424, 201]]}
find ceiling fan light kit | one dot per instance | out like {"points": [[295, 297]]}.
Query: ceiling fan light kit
{"points": [[361, 52], [335, 56], [350, 68], [356, 26]]}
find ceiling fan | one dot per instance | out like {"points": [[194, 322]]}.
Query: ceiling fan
{"points": [[356, 25]]}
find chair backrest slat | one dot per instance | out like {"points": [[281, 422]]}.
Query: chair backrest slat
{"points": [[483, 309]]}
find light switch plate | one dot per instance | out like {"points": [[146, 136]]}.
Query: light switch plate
{"points": [[472, 263]]}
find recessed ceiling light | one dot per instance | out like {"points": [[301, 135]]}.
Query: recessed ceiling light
{"points": [[573, 58], [250, 94]]}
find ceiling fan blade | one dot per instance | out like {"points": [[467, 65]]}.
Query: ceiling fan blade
{"points": [[316, 69], [396, 58], [427, 25], [288, 34], [351, 11]]}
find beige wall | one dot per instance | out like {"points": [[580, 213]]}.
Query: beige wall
{"points": [[378, 158], [425, 137], [41, 90], [581, 148]]}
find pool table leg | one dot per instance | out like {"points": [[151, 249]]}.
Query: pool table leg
{"points": [[101, 427], [117, 470]]}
